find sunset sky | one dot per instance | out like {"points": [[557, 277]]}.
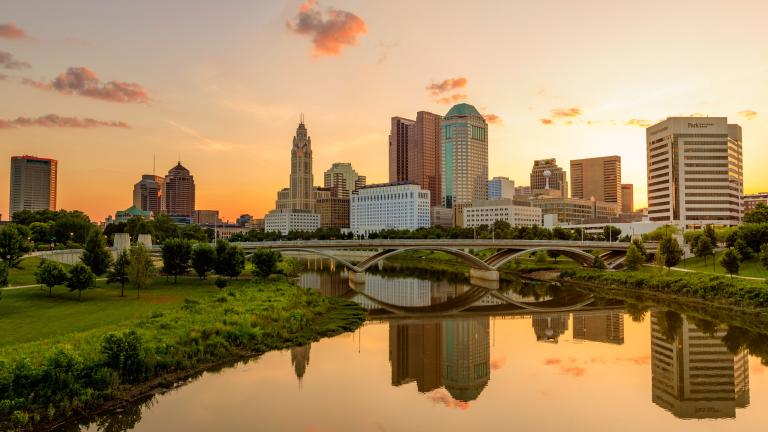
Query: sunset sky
{"points": [[102, 86]]}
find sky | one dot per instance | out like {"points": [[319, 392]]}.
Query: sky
{"points": [[106, 87]]}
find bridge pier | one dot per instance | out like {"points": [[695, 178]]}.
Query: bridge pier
{"points": [[488, 275], [490, 285], [356, 278]]}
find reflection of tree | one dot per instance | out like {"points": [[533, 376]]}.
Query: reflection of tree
{"points": [[738, 338], [706, 326], [636, 311], [670, 323], [125, 419]]}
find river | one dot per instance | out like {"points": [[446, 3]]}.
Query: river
{"points": [[439, 354]]}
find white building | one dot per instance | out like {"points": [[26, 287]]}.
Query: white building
{"points": [[695, 173], [490, 211], [388, 206], [291, 220], [500, 187]]}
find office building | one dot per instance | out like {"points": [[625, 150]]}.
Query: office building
{"points": [[599, 326], [332, 204], [288, 220], [500, 187], [148, 194], [130, 213], [523, 191], [255, 224], [301, 179], [627, 198], [399, 133], [547, 178], [694, 375], [179, 192], [341, 175], [489, 211], [751, 201], [463, 157], [575, 211], [695, 171], [389, 206], [598, 177], [466, 356], [441, 216], [424, 154], [33, 184], [206, 217]]}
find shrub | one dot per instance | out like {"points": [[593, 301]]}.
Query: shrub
{"points": [[221, 283]]}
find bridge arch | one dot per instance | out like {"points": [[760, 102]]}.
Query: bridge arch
{"points": [[466, 257], [500, 258]]}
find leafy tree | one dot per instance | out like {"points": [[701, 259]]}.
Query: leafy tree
{"points": [[541, 257], [96, 256], [80, 278], [265, 261], [203, 259], [731, 261], [119, 271], [12, 245], [709, 231], [230, 259], [3, 274], [669, 252], [141, 270], [598, 263], [176, 255], [703, 248], [745, 252], [164, 228], [40, 232], [634, 259], [659, 233], [193, 232], [124, 354], [757, 215], [638, 243], [71, 226], [50, 274], [764, 255], [611, 233]]}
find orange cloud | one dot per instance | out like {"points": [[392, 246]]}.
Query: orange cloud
{"points": [[492, 119], [748, 114], [552, 361], [546, 121], [447, 85], [452, 98], [575, 371], [7, 61], [644, 123], [56, 121], [330, 33], [498, 363], [442, 396], [11, 31], [566, 112], [84, 82]]}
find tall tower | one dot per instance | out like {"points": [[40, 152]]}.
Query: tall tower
{"points": [[598, 177], [424, 154], [33, 184], [148, 194], [463, 157], [301, 170], [399, 135], [179, 192]]}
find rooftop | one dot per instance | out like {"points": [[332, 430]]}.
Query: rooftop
{"points": [[463, 110]]}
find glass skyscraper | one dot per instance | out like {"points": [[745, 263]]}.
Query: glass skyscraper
{"points": [[463, 156]]}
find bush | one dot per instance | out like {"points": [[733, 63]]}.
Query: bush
{"points": [[265, 261], [124, 354], [221, 283]]}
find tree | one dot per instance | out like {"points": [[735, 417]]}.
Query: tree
{"points": [[669, 252], [3, 274], [731, 261], [71, 226], [80, 278], [598, 263], [12, 245], [638, 243], [541, 257], [764, 255], [119, 271], [759, 214], [634, 259], [96, 256], [265, 261], [50, 274], [703, 248], [745, 252], [709, 231], [230, 259], [40, 232], [611, 233], [176, 255], [203, 259], [141, 270]]}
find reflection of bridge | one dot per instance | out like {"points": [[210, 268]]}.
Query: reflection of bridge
{"points": [[613, 253]]}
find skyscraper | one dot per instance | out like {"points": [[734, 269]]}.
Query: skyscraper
{"points": [[627, 198], [695, 172], [399, 135], [463, 157], [148, 194], [341, 175], [598, 177], [33, 184], [547, 178], [466, 357], [500, 187], [179, 192], [301, 180], [424, 154]]}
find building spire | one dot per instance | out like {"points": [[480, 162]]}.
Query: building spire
{"points": [[301, 118]]}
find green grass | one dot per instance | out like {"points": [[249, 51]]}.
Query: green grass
{"points": [[25, 275], [749, 268], [28, 314]]}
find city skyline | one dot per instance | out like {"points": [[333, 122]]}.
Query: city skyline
{"points": [[226, 115]]}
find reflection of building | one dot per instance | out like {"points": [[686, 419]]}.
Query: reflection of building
{"points": [[400, 292], [328, 284], [694, 374], [549, 327], [599, 326], [415, 350], [300, 360], [466, 357]]}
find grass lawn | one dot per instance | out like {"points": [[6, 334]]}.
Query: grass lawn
{"points": [[26, 274], [28, 314], [750, 268]]}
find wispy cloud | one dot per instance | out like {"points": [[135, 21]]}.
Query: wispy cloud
{"points": [[566, 112], [442, 396], [748, 114], [85, 82], [330, 32], [643, 123], [447, 85], [57, 121], [546, 121], [452, 98], [493, 119], [8, 61], [12, 31], [205, 142]]}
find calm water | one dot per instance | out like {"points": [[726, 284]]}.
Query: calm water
{"points": [[438, 354]]}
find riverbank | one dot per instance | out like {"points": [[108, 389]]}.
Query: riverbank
{"points": [[51, 381]]}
